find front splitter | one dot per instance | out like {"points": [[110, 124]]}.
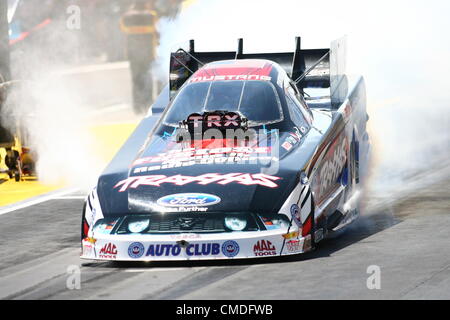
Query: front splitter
{"points": [[184, 247]]}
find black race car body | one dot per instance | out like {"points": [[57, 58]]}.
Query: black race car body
{"points": [[248, 159]]}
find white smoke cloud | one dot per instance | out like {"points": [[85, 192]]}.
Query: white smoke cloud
{"points": [[400, 47], [51, 110], [55, 127]]}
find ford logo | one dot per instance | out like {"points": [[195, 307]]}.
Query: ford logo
{"points": [[188, 200]]}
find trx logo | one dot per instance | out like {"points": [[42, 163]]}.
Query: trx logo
{"points": [[208, 120], [231, 120]]}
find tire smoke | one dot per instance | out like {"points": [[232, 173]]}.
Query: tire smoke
{"points": [[400, 48]]}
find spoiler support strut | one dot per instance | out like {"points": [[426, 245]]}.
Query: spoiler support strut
{"points": [[309, 68]]}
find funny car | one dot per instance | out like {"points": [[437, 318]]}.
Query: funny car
{"points": [[254, 155]]}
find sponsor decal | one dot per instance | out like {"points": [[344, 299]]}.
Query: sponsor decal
{"points": [[205, 179], [259, 67], [270, 225], [332, 165], [213, 159], [109, 251], [105, 228], [88, 249], [287, 146], [186, 236], [136, 250], [203, 249], [183, 209], [291, 139], [296, 216], [296, 135], [174, 250], [230, 248], [197, 154], [291, 235], [229, 120], [294, 246], [264, 248], [318, 235], [231, 77], [188, 200]]}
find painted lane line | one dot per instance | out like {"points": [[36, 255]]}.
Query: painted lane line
{"points": [[36, 200]]}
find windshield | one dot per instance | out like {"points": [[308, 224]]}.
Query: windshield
{"points": [[256, 100]]}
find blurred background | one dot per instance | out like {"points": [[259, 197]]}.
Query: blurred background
{"points": [[76, 77], [84, 64]]}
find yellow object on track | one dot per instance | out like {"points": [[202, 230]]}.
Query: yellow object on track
{"points": [[12, 191], [108, 140]]}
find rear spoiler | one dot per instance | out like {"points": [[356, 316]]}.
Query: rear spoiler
{"points": [[312, 68]]}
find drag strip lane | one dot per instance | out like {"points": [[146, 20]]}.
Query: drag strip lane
{"points": [[18, 279], [42, 241], [38, 230], [407, 239]]}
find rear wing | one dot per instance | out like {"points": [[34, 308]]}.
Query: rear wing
{"points": [[309, 68]]}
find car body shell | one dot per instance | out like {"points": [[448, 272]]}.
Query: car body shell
{"points": [[292, 196]]}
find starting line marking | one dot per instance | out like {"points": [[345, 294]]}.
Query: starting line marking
{"points": [[37, 200]]}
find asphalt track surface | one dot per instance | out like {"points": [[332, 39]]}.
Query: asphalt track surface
{"points": [[406, 237]]}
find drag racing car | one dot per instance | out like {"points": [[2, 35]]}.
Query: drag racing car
{"points": [[254, 155]]}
